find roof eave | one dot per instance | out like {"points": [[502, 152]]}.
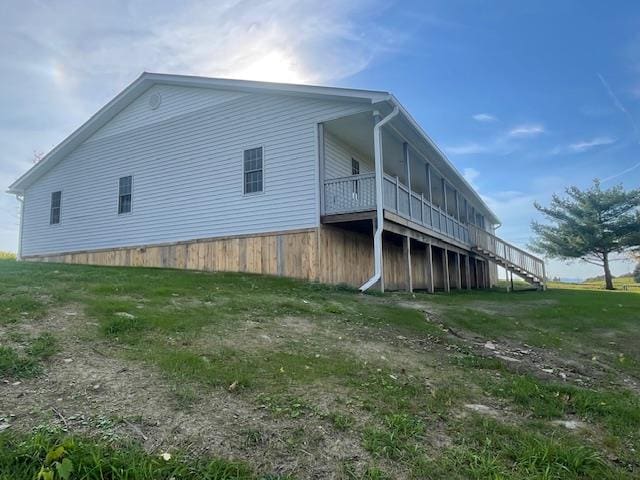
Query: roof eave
{"points": [[147, 79]]}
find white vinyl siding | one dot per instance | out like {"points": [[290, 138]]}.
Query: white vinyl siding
{"points": [[338, 158], [188, 173]]}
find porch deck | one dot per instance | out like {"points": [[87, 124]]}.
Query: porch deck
{"points": [[357, 193]]}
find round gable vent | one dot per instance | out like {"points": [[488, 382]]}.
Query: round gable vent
{"points": [[155, 100]]}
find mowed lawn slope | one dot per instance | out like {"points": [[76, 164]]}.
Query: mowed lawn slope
{"points": [[130, 373]]}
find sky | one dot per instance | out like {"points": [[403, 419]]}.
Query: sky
{"points": [[525, 98]]}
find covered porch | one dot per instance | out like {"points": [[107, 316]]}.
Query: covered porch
{"points": [[414, 185], [426, 203]]}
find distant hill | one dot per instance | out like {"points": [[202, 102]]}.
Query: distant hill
{"points": [[600, 278]]}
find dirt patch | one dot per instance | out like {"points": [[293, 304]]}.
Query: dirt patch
{"points": [[89, 388]]}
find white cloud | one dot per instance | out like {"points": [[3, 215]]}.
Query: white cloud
{"points": [[61, 62], [526, 130], [582, 145], [466, 149], [484, 117], [470, 175], [589, 144]]}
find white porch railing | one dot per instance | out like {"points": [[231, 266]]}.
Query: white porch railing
{"points": [[400, 199], [355, 193], [509, 254]]}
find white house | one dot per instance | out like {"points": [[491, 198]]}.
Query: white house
{"points": [[325, 184]]}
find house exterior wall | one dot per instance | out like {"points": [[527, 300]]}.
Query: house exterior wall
{"points": [[338, 155], [186, 159]]}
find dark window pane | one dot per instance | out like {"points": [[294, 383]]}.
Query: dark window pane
{"points": [[253, 170], [355, 167], [124, 204], [124, 195], [56, 201], [125, 185]]}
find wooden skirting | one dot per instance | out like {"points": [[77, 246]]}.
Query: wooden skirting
{"points": [[328, 254], [345, 256], [290, 254]]}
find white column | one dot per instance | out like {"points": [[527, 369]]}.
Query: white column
{"points": [[407, 166]]}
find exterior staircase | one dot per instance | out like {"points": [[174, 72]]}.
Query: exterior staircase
{"points": [[513, 259]]}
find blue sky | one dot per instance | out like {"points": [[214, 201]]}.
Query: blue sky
{"points": [[525, 97]]}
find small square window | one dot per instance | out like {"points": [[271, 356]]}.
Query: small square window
{"points": [[253, 181], [56, 205], [124, 195]]}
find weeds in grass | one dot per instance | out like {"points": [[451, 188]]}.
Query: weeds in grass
{"points": [[399, 440], [43, 346], [16, 364], [14, 307], [341, 421], [371, 472], [618, 410], [22, 457], [487, 448]]}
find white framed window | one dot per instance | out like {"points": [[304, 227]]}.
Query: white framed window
{"points": [[56, 208], [253, 170], [125, 194]]}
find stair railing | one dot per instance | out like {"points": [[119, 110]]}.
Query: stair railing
{"points": [[508, 253]]}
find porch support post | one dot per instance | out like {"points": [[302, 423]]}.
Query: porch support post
{"points": [[429, 183], [444, 195], [321, 162], [445, 268], [468, 271], [406, 253], [458, 272], [377, 237], [476, 272], [429, 266], [457, 205], [487, 274], [407, 162]]}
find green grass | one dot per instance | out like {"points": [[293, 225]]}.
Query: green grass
{"points": [[23, 456], [585, 323], [366, 368], [486, 448], [17, 365]]}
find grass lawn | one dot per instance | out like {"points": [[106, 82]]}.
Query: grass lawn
{"points": [[148, 373]]}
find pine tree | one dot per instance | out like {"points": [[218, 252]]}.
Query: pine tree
{"points": [[590, 225], [636, 273]]}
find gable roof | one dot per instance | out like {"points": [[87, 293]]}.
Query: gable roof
{"points": [[147, 79]]}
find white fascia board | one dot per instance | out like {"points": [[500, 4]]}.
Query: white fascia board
{"points": [[147, 79], [97, 120]]}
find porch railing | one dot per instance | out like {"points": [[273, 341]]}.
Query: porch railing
{"points": [[400, 199], [355, 193]]}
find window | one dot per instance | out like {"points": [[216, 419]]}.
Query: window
{"points": [[56, 203], [253, 170], [355, 167], [124, 195]]}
